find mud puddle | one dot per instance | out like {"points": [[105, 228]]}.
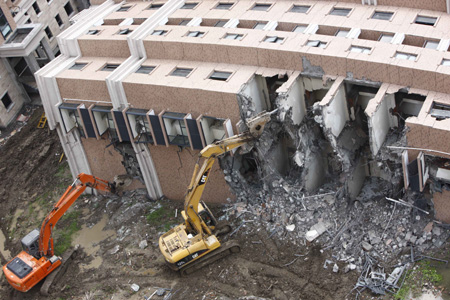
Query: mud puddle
{"points": [[90, 239], [5, 253]]}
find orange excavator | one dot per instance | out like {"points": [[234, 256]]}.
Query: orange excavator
{"points": [[37, 259]]}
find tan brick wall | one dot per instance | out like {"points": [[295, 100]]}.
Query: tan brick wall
{"points": [[105, 163], [442, 206], [426, 137], [175, 170]]}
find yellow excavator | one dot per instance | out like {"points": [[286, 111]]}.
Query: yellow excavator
{"points": [[194, 244]]}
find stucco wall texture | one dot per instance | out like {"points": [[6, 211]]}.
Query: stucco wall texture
{"points": [[442, 205]]}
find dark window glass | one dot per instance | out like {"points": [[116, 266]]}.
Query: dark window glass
{"points": [[340, 11], [181, 72], [145, 69], [68, 8], [110, 67], [189, 5], [58, 20], [224, 5], [155, 6], [36, 8], [176, 129], [159, 32], [218, 75], [300, 8], [124, 8], [6, 100], [78, 66], [93, 32], [426, 20], [4, 25], [382, 15], [261, 6], [48, 32]]}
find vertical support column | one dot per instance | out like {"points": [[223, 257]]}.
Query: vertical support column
{"points": [[32, 63], [48, 50], [148, 170]]}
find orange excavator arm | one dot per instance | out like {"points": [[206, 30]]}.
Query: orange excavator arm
{"points": [[64, 203]]}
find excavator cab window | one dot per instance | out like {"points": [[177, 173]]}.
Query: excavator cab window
{"points": [[30, 243], [207, 218]]}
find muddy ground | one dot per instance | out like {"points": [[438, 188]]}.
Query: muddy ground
{"points": [[110, 229]]}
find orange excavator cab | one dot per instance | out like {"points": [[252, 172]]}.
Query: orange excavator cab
{"points": [[37, 259]]}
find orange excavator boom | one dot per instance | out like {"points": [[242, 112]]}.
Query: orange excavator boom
{"points": [[37, 259]]}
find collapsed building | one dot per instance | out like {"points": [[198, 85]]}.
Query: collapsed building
{"points": [[361, 91], [27, 42]]}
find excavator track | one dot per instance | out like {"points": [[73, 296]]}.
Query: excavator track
{"points": [[224, 250], [53, 277]]}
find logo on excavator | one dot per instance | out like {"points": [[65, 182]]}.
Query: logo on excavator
{"points": [[204, 177]]}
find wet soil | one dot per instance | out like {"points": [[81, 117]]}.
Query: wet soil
{"points": [[111, 228]]}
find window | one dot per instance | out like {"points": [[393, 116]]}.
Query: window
{"points": [[4, 25], [181, 72], [78, 66], [191, 5], [124, 8], [195, 33], [259, 25], [58, 20], [220, 23], [425, 20], [300, 9], [213, 129], [219, 75], [175, 128], [342, 32], [234, 36], [93, 32], [318, 44], [7, 102], [104, 121], [184, 22], [48, 32], [445, 62], [431, 44], [110, 67], [407, 56], [139, 125], [124, 31], [159, 32], [68, 8], [300, 28], [70, 117], [145, 69], [155, 5], [36, 8], [340, 11], [359, 49], [440, 111], [382, 15], [386, 38], [261, 6], [224, 5], [274, 39]]}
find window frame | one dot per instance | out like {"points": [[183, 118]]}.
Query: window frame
{"points": [[431, 41], [93, 32], [320, 43], [124, 31], [409, 55], [124, 8], [380, 14], [300, 5], [300, 26], [258, 24], [108, 67], [48, 33], [386, 35], [238, 36], [218, 78], [147, 135], [221, 21], [36, 8], [77, 121], [74, 66], [268, 6], [445, 62], [231, 4], [336, 9], [58, 21], [274, 39], [364, 50], [97, 111], [161, 32], [180, 69], [68, 4], [178, 119], [11, 103], [143, 67], [423, 22], [187, 5], [2, 15], [196, 34]]}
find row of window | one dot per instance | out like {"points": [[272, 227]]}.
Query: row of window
{"points": [[67, 7], [335, 11], [144, 126], [179, 72]]}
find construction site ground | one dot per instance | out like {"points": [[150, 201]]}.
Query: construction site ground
{"points": [[119, 235]]}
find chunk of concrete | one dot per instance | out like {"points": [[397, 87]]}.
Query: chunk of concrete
{"points": [[366, 246]]}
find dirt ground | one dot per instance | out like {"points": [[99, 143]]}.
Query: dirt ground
{"points": [[110, 229]]}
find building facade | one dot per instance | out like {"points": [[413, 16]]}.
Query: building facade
{"points": [[27, 43], [141, 87]]}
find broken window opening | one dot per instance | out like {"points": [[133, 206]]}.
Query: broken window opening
{"points": [[213, 129], [139, 125], [7, 102], [103, 121], [70, 118], [440, 111], [273, 84], [358, 97], [249, 167], [408, 105], [176, 129]]}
